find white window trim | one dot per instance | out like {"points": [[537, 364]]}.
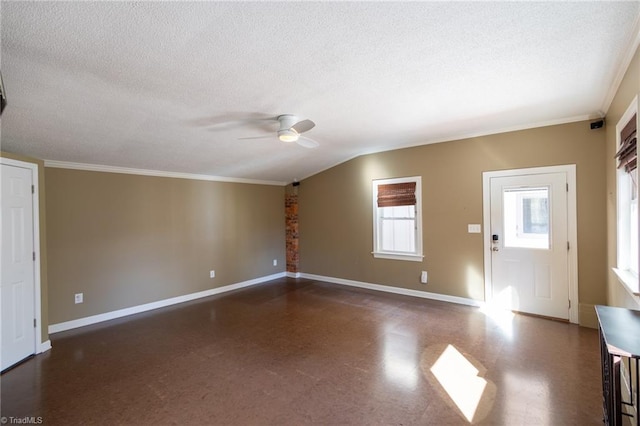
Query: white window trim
{"points": [[628, 279], [418, 256]]}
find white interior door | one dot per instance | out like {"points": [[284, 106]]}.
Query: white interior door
{"points": [[17, 286], [529, 243]]}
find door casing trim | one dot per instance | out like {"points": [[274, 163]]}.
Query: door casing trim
{"points": [[572, 228]]}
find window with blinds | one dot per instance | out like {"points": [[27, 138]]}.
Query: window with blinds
{"points": [[627, 154], [627, 198], [397, 227]]}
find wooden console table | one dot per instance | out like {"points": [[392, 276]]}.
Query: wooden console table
{"points": [[619, 341]]}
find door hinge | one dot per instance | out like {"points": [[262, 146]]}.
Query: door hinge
{"points": [[34, 323], [34, 256], [569, 303], [33, 189], [567, 187], [568, 246]]}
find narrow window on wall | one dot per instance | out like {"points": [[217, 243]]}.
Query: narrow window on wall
{"points": [[397, 224], [627, 199]]}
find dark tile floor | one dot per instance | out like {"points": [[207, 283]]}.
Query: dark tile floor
{"points": [[299, 352]]}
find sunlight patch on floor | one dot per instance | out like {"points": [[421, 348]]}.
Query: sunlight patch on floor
{"points": [[459, 380], [501, 317], [506, 298]]}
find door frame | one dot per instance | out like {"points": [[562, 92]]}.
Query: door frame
{"points": [[38, 345], [572, 228]]}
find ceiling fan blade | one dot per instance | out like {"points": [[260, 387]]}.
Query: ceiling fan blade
{"points": [[258, 137], [303, 126], [307, 143]]}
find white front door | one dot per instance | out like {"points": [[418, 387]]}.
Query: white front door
{"points": [[17, 286], [529, 243]]}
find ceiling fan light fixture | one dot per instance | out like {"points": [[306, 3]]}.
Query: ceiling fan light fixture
{"points": [[291, 130], [288, 135]]}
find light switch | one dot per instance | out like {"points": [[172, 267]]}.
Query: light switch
{"points": [[474, 228]]}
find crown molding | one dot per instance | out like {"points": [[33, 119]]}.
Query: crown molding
{"points": [[158, 173], [623, 65], [464, 136]]}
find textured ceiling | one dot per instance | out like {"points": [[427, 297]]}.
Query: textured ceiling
{"points": [[171, 86]]}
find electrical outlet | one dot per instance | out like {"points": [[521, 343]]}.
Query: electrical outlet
{"points": [[275, 262], [423, 277], [79, 298], [212, 274]]}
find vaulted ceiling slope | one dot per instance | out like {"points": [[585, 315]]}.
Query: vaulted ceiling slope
{"points": [[172, 86]]}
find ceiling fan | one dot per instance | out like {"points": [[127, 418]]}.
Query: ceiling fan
{"points": [[290, 131]]}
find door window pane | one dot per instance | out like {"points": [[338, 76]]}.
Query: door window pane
{"points": [[535, 215], [526, 217]]}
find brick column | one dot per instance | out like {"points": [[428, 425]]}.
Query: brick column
{"points": [[291, 226]]}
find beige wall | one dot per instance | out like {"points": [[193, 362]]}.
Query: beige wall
{"points": [[629, 88], [336, 209], [125, 240], [44, 307]]}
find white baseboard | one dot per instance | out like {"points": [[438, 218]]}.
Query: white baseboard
{"points": [[94, 319], [587, 315], [44, 346], [81, 322], [396, 290]]}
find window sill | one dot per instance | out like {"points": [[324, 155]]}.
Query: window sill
{"points": [[628, 281], [397, 256]]}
